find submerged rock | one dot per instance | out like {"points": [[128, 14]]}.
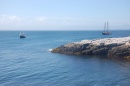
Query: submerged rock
{"points": [[111, 47]]}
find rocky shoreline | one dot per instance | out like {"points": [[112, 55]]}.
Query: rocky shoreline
{"points": [[110, 47]]}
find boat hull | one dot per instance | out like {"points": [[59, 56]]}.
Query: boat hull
{"points": [[22, 36], [105, 33]]}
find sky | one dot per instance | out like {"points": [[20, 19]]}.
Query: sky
{"points": [[64, 14]]}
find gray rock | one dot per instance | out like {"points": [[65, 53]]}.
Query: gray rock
{"points": [[113, 50], [122, 51]]}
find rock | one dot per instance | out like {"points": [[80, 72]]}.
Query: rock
{"points": [[110, 48], [122, 51]]}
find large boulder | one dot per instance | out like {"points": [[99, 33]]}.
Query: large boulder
{"points": [[82, 49], [71, 48], [112, 48], [122, 51]]}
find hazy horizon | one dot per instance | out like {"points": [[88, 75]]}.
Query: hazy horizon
{"points": [[64, 15]]}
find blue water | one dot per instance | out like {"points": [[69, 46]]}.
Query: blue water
{"points": [[28, 62]]}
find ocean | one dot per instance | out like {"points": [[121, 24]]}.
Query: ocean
{"points": [[29, 62]]}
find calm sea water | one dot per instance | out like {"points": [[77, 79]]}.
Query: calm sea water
{"points": [[28, 62]]}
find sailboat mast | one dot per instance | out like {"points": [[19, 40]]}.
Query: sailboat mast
{"points": [[107, 26], [104, 26]]}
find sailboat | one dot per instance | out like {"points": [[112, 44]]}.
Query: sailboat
{"points": [[105, 32], [22, 35]]}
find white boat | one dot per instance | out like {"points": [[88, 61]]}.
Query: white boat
{"points": [[22, 35], [105, 32]]}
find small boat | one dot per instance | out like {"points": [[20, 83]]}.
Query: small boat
{"points": [[105, 32], [22, 35]]}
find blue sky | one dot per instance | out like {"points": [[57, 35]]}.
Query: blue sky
{"points": [[64, 14]]}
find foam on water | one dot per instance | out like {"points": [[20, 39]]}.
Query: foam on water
{"points": [[50, 50]]}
